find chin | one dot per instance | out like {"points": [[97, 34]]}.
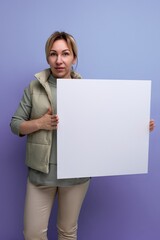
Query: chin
{"points": [[61, 75], [58, 75]]}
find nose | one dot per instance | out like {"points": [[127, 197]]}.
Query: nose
{"points": [[59, 59]]}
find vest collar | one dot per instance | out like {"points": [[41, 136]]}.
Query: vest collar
{"points": [[43, 76]]}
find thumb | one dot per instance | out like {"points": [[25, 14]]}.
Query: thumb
{"points": [[49, 111]]}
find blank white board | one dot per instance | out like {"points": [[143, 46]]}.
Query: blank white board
{"points": [[103, 127]]}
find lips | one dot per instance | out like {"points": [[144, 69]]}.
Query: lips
{"points": [[59, 69]]}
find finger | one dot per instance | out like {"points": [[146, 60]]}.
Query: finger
{"points": [[55, 119], [54, 123], [49, 111], [54, 127]]}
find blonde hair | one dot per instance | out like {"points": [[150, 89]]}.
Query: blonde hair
{"points": [[58, 36]]}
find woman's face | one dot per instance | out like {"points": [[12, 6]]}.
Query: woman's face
{"points": [[61, 59]]}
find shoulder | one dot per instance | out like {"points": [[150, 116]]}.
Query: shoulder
{"points": [[33, 85], [75, 75]]}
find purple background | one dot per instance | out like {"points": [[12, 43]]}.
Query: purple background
{"points": [[116, 39]]}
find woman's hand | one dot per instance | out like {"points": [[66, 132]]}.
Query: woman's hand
{"points": [[151, 125], [48, 121]]}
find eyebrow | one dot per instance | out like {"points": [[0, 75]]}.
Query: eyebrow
{"points": [[52, 50]]}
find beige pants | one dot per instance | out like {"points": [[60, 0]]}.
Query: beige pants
{"points": [[38, 206]]}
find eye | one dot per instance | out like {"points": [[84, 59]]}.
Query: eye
{"points": [[52, 54], [66, 54]]}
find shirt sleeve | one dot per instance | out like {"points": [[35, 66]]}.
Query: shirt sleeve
{"points": [[22, 113]]}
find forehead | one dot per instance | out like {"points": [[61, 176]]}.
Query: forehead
{"points": [[60, 44]]}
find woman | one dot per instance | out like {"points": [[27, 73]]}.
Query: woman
{"points": [[37, 118]]}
